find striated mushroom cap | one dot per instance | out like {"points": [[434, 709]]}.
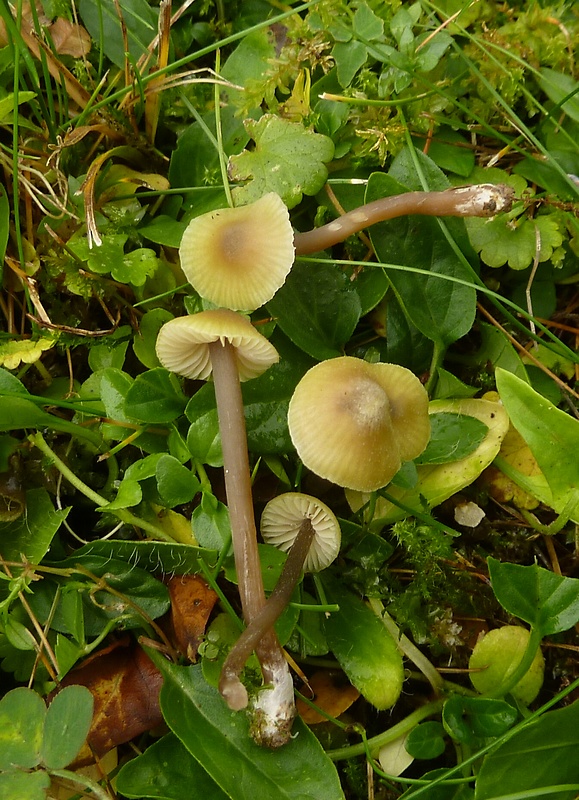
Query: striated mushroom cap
{"points": [[354, 423], [281, 520], [183, 344], [239, 257]]}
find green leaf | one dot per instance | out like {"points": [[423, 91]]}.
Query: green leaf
{"points": [[146, 337], [366, 24], [557, 86], [22, 714], [501, 240], [102, 22], [542, 754], [220, 741], [156, 397], [317, 308], [166, 771], [24, 785], [548, 602], [4, 226], [349, 58], [111, 353], [66, 726], [552, 436], [288, 159], [442, 310], [467, 719], [31, 535], [452, 437], [203, 438], [8, 105], [164, 230], [163, 557], [132, 586], [176, 483], [128, 494], [426, 740], [135, 267], [210, 523], [367, 653]]}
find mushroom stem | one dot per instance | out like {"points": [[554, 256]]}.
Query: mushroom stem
{"points": [[265, 619], [237, 476], [274, 714], [480, 200]]}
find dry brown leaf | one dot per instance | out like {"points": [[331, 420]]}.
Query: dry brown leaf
{"points": [[333, 693], [69, 39], [125, 685], [192, 602]]}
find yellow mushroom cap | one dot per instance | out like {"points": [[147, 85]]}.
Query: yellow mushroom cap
{"points": [[183, 344], [354, 423], [281, 521], [239, 257]]}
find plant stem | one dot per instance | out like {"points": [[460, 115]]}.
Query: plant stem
{"points": [[81, 780], [375, 743], [229, 683], [122, 513], [481, 200], [407, 647]]}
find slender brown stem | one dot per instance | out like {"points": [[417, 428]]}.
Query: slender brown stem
{"points": [[244, 536], [481, 200], [274, 606], [237, 476]]}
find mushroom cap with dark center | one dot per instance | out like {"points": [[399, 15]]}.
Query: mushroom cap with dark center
{"points": [[281, 521], [183, 344], [354, 423], [239, 257]]}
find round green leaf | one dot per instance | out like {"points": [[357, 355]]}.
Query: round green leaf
{"points": [[66, 726], [176, 483], [22, 714], [426, 740], [24, 785]]}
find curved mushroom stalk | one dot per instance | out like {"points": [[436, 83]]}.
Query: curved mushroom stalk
{"points": [[309, 530], [480, 200]]}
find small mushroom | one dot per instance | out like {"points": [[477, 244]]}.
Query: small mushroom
{"points": [[308, 529], [227, 345], [239, 257], [354, 423], [280, 524]]}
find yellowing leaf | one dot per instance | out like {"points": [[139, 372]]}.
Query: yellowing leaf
{"points": [[288, 159], [516, 453], [23, 351]]}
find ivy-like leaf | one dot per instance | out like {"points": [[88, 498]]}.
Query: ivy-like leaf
{"points": [[500, 241], [25, 351], [287, 159]]}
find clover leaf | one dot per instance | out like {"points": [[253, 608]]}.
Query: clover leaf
{"points": [[287, 159]]}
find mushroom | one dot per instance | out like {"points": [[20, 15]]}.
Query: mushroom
{"points": [[354, 423], [224, 343], [480, 200], [239, 257], [308, 529]]}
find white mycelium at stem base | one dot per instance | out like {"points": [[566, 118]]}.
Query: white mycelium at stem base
{"points": [[354, 423]]}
